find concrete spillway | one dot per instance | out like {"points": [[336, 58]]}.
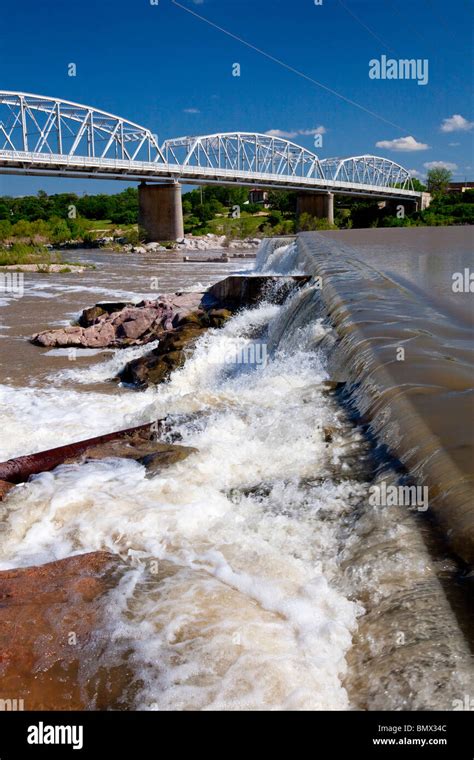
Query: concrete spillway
{"points": [[417, 399]]}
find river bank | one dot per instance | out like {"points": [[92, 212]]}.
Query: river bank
{"points": [[257, 572]]}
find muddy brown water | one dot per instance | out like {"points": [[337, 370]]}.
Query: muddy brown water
{"points": [[53, 300], [407, 346]]}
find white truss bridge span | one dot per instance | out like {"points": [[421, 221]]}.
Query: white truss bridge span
{"points": [[53, 137]]}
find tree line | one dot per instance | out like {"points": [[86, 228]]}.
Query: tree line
{"points": [[66, 216]]}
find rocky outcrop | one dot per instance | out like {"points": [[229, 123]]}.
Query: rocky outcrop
{"points": [[51, 617], [209, 242], [121, 325], [212, 242], [170, 354]]}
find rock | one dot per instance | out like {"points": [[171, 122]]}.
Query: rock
{"points": [[157, 366], [112, 307], [153, 454], [132, 323], [167, 455], [117, 325], [194, 318], [139, 371], [67, 336], [332, 385], [154, 373], [328, 434], [236, 291], [51, 617], [218, 317], [90, 316], [100, 335], [174, 359], [180, 338], [5, 488]]}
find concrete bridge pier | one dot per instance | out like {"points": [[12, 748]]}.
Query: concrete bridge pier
{"points": [[316, 204], [160, 211], [398, 206]]}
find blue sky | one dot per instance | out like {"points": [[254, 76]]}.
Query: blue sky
{"points": [[166, 68]]}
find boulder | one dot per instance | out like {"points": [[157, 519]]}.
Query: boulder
{"points": [[90, 316], [100, 335], [132, 323], [51, 618], [218, 317], [157, 366], [66, 336], [121, 324]]}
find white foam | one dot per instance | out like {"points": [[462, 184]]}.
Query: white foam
{"points": [[36, 419], [245, 612], [106, 370]]}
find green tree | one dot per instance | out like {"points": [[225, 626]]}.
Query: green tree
{"points": [[282, 200], [438, 180], [5, 229], [59, 230], [418, 186], [205, 213]]}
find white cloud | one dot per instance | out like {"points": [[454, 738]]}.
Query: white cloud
{"points": [[317, 131], [456, 123], [296, 132], [402, 143], [454, 145], [440, 165], [415, 173], [191, 110]]}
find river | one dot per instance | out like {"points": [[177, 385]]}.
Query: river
{"points": [[278, 585]]}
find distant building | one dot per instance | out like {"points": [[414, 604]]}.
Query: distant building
{"points": [[460, 187], [259, 196]]}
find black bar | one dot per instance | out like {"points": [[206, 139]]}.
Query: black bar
{"points": [[318, 734]]}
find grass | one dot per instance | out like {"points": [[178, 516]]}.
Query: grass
{"points": [[20, 253], [98, 224], [106, 228], [245, 226]]}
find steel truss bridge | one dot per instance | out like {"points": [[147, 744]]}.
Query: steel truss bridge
{"points": [[53, 137]]}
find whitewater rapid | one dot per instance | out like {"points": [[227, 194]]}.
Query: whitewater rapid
{"points": [[248, 613], [255, 564]]}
